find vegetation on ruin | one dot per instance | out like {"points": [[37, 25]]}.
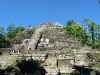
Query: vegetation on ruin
{"points": [[47, 32], [87, 34]]}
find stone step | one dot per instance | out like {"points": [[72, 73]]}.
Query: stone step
{"points": [[66, 69], [35, 37], [51, 70]]}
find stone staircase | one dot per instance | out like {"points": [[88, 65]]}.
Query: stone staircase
{"points": [[20, 42], [31, 42], [35, 37]]}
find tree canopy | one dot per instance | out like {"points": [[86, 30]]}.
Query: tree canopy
{"points": [[87, 34], [11, 32]]}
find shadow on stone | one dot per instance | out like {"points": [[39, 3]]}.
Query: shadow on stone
{"points": [[23, 67], [81, 70], [0, 53]]}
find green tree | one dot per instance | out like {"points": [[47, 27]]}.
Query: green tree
{"points": [[2, 38], [19, 29], [93, 31], [10, 31], [14, 31], [1, 30], [11, 27], [70, 22], [76, 31]]}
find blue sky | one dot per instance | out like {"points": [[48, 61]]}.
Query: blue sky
{"points": [[34, 12]]}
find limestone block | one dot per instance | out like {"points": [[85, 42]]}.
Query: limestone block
{"points": [[63, 56], [66, 69], [50, 46], [81, 59], [47, 40], [51, 70], [38, 56], [57, 24], [51, 61], [42, 39], [72, 62]]}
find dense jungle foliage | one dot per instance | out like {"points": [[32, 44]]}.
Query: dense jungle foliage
{"points": [[7, 35], [87, 34]]}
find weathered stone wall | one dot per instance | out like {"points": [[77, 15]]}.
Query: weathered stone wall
{"points": [[5, 50], [7, 60], [57, 39], [26, 34]]}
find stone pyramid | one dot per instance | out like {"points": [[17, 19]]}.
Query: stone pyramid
{"points": [[49, 44], [47, 36]]}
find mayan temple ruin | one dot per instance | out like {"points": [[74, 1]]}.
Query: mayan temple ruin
{"points": [[48, 43]]}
